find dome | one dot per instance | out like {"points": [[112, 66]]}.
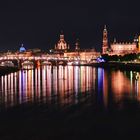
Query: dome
{"points": [[22, 49]]}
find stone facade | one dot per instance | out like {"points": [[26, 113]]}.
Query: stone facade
{"points": [[61, 44], [123, 48]]}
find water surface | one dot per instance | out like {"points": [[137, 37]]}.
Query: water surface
{"points": [[69, 85]]}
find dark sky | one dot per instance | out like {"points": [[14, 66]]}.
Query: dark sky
{"points": [[38, 23]]}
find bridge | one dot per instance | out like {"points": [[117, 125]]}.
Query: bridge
{"points": [[23, 60], [32, 60]]}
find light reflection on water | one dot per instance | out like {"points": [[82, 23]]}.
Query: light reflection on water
{"points": [[64, 85]]}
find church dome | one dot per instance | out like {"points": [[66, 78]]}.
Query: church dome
{"points": [[61, 45], [22, 49]]}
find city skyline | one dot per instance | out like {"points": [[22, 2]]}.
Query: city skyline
{"points": [[69, 69], [38, 24], [29, 45]]}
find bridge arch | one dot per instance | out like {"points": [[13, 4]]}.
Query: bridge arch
{"points": [[62, 62], [46, 63], [9, 62]]}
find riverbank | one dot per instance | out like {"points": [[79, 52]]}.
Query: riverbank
{"points": [[118, 65], [114, 65], [6, 70]]}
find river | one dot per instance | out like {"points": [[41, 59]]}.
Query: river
{"points": [[70, 102], [68, 85]]}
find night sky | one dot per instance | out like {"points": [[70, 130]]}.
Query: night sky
{"points": [[38, 24]]}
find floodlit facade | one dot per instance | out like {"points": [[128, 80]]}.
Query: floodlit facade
{"points": [[61, 45], [123, 48], [83, 55], [76, 54], [105, 41]]}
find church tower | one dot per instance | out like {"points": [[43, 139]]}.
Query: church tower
{"points": [[105, 41]]}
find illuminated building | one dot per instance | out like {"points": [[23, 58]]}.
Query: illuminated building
{"points": [[87, 55], [83, 55], [120, 48], [123, 48], [61, 45], [105, 41], [62, 50]]}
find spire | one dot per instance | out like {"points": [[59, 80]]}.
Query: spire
{"points": [[62, 35], [105, 29]]}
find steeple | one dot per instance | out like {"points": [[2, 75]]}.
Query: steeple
{"points": [[62, 35], [77, 45], [105, 41], [105, 29]]}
